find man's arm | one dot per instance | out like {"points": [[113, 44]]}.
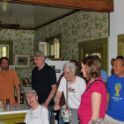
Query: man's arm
{"points": [[57, 100], [51, 95], [18, 94], [17, 87]]}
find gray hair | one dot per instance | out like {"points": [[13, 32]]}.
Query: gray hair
{"points": [[38, 53], [71, 66], [31, 92]]}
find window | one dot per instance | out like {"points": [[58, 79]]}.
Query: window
{"points": [[94, 54], [53, 47], [6, 50]]}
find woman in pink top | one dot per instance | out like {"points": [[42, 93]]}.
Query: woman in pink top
{"points": [[94, 100]]}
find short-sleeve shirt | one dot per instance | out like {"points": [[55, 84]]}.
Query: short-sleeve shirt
{"points": [[37, 116], [75, 91], [42, 80], [115, 87], [8, 80], [85, 109]]}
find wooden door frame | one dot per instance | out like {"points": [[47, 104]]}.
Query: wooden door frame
{"points": [[120, 40], [98, 45]]}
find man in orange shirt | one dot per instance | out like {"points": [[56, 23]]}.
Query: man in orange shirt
{"points": [[8, 81]]}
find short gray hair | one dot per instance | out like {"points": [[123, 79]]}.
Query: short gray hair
{"points": [[38, 53], [71, 66], [32, 92]]}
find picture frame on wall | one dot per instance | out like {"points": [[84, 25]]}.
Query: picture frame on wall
{"points": [[22, 61]]}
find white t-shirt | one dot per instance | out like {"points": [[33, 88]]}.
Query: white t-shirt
{"points": [[37, 116], [75, 91]]}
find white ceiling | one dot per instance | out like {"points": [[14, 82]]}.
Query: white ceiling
{"points": [[29, 16]]}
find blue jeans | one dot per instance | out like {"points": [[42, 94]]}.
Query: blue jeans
{"points": [[60, 118]]}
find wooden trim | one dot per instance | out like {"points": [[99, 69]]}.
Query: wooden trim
{"points": [[93, 5]]}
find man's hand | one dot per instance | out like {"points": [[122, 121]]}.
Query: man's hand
{"points": [[57, 107], [45, 104]]}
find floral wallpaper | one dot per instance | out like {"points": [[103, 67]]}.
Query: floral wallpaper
{"points": [[78, 27], [23, 44]]}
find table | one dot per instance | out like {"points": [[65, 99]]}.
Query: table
{"points": [[14, 115]]}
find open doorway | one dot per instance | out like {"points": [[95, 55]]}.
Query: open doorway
{"points": [[95, 47]]}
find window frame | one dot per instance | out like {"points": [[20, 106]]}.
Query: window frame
{"points": [[51, 39]]}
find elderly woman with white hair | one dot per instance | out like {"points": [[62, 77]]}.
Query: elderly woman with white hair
{"points": [[37, 114], [74, 86]]}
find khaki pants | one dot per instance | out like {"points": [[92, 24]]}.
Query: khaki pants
{"points": [[110, 120]]}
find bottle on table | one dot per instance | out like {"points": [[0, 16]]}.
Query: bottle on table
{"points": [[1, 105], [22, 96], [7, 104]]}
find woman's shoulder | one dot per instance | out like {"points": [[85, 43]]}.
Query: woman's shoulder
{"points": [[63, 80], [99, 86], [98, 83], [80, 79], [43, 109]]}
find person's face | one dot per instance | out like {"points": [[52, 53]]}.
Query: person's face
{"points": [[84, 70], [32, 100], [39, 61], [118, 67], [69, 75], [4, 65]]}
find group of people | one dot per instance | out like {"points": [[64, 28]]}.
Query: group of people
{"points": [[115, 85], [88, 98]]}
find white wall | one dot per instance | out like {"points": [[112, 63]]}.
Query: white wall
{"points": [[116, 28], [58, 64]]}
